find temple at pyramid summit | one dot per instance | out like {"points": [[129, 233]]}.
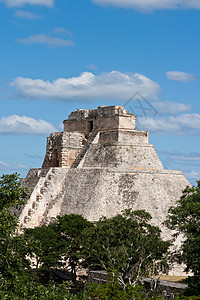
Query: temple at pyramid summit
{"points": [[99, 166]]}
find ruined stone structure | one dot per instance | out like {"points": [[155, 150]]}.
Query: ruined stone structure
{"points": [[99, 166]]}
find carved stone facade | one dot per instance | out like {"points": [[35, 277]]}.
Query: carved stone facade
{"points": [[99, 166], [63, 148]]}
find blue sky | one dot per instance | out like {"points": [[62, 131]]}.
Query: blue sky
{"points": [[57, 56]]}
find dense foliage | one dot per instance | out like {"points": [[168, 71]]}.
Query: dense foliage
{"points": [[72, 229], [185, 219], [58, 245], [12, 195], [126, 246], [17, 278]]}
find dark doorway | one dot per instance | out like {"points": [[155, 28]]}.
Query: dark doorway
{"points": [[89, 126], [54, 162]]}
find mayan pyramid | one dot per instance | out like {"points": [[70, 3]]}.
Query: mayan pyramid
{"points": [[98, 166]]}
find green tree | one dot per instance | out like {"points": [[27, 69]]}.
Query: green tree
{"points": [[26, 289], [17, 278], [111, 290], [58, 245], [184, 218], [45, 248], [72, 228], [126, 244], [12, 195]]}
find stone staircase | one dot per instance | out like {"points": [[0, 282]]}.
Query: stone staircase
{"points": [[45, 219], [47, 191], [46, 188], [85, 148], [32, 178]]}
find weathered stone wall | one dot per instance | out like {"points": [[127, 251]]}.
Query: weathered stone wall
{"points": [[32, 179], [100, 192], [103, 118], [122, 156], [63, 148], [46, 196], [79, 126], [98, 167], [97, 192], [124, 137], [115, 122]]}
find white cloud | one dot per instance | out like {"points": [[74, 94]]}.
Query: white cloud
{"points": [[87, 86], [186, 124], [195, 175], [3, 165], [170, 107], [25, 14], [180, 76], [17, 3], [192, 4], [20, 166], [15, 124], [13, 166], [91, 67], [46, 40], [180, 157], [186, 158], [61, 30], [189, 163], [150, 5]]}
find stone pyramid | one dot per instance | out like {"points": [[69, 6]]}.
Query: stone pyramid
{"points": [[98, 166]]}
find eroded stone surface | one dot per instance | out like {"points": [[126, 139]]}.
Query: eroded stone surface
{"points": [[99, 166]]}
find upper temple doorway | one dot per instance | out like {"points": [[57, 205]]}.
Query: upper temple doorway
{"points": [[54, 162], [90, 126]]}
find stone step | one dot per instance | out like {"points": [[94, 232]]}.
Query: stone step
{"points": [[54, 170], [39, 197], [43, 190], [35, 205], [47, 183], [84, 149], [44, 172], [30, 212], [51, 176], [27, 219]]}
